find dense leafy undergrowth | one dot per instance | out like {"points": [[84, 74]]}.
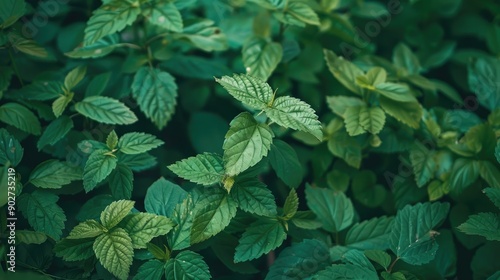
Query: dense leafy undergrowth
{"points": [[257, 139]]}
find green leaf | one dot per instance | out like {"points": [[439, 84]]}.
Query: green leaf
{"points": [[110, 18], [180, 237], [114, 251], [150, 270], [138, 162], [493, 195], [291, 261], [164, 15], [259, 238], [187, 265], [306, 220], [372, 119], [396, 92], [291, 205], [115, 212], [156, 93], [20, 117], [371, 234], [30, 237], [463, 174], [379, 257], [203, 35], [10, 149], [253, 196], [112, 140], [409, 113], [54, 174], [42, 212], [121, 182], [223, 246], [298, 13], [294, 113], [74, 249], [205, 169], [346, 272], [342, 145], [393, 276], [11, 11], [423, 163], [412, 236], [142, 227], [357, 258], [261, 57], [196, 67], [138, 142], [333, 209], [40, 90], [162, 197], [214, 210], [344, 71], [285, 162], [74, 77], [490, 173], [105, 110], [252, 91], [60, 104], [404, 58], [482, 81], [25, 45], [352, 119], [247, 142], [87, 229], [55, 131], [484, 224], [100, 48], [97, 168], [339, 104]]}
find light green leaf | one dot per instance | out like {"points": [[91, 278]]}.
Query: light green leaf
{"points": [[412, 236], [97, 168], [246, 143], [298, 13], [285, 162], [114, 251], [261, 57], [26, 45], [112, 140], [54, 174], [55, 131], [484, 224], [404, 58], [214, 210], [30, 237], [396, 92], [464, 172], [290, 262], [252, 91], [379, 257], [294, 113], [344, 71], [187, 265], [259, 238], [74, 249], [156, 93], [164, 15], [352, 119], [115, 212], [110, 18], [180, 237], [291, 205], [74, 77], [11, 11], [60, 104], [333, 209], [142, 227], [409, 113], [203, 35], [151, 270], [372, 119], [87, 229], [138, 142], [100, 48], [490, 173], [20, 117], [339, 104], [371, 234], [105, 110], [121, 182], [162, 197], [253, 196], [423, 163], [10, 149], [493, 195], [306, 220], [42, 212], [205, 169]]}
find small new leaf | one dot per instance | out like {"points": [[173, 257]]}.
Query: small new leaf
{"points": [[137, 142], [116, 212], [97, 168]]}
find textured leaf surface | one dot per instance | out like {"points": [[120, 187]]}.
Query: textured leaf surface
{"points": [[138, 142], [205, 169], [121, 182], [484, 224], [74, 249], [142, 227], [114, 251], [247, 142], [55, 131], [162, 197], [151, 270], [261, 57], [105, 110], [409, 113], [20, 117], [54, 174], [252, 91], [423, 164], [165, 15], [87, 229], [98, 166], [187, 265], [372, 234], [253, 196], [260, 237]]}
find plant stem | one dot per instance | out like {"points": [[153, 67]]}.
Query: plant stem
{"points": [[392, 265]]}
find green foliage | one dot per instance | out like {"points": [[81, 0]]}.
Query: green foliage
{"points": [[258, 139]]}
